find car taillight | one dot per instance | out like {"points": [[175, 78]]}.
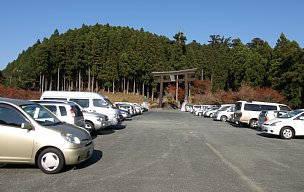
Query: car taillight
{"points": [[72, 112]]}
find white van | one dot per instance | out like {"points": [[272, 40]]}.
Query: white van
{"points": [[89, 101], [247, 112]]}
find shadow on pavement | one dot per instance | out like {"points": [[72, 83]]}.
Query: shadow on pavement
{"points": [[97, 155]]}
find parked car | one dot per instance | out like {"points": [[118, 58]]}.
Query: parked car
{"points": [[247, 112], [31, 134], [66, 111], [286, 126], [93, 122], [126, 107], [268, 115], [211, 111], [90, 101], [224, 113]]}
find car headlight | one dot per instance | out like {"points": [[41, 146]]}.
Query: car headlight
{"points": [[275, 123], [99, 119], [71, 138]]}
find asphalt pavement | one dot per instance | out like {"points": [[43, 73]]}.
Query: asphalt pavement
{"points": [[172, 151]]}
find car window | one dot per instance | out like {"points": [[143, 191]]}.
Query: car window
{"points": [[99, 103], [40, 114], [238, 106], [284, 108], [82, 102], [290, 114], [268, 107], [63, 111], [252, 107], [52, 108], [11, 116]]}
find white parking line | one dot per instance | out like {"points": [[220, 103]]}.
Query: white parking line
{"points": [[251, 184]]}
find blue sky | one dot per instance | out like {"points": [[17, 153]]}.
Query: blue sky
{"points": [[23, 22]]}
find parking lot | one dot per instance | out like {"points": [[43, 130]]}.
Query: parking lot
{"points": [[173, 151]]}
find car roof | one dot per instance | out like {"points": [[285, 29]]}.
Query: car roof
{"points": [[15, 101], [53, 102]]}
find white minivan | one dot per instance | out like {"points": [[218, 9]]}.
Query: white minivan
{"points": [[89, 101], [247, 112]]}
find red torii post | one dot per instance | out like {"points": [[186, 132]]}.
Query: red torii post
{"points": [[172, 75]]}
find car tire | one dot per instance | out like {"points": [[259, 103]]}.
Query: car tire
{"points": [[223, 118], [51, 161], [287, 133], [253, 123], [90, 127]]}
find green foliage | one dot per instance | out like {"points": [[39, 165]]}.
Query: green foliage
{"points": [[122, 55]]}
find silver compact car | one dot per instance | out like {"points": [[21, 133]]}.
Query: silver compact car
{"points": [[31, 134]]}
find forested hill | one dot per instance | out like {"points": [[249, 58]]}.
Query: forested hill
{"points": [[122, 59]]}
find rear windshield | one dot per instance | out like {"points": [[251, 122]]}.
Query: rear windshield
{"points": [[77, 111], [238, 106]]}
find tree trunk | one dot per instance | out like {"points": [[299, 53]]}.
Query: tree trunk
{"points": [[58, 78], [148, 91], [128, 84], [64, 81], [134, 85], [79, 80], [51, 83], [143, 89], [93, 79], [113, 86], [89, 77], [42, 88], [124, 84]]}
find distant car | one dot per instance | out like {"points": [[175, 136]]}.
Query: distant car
{"points": [[224, 113], [31, 134], [268, 115], [210, 112], [286, 126]]}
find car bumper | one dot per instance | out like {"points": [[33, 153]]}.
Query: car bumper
{"points": [[115, 121], [270, 130], [78, 155]]}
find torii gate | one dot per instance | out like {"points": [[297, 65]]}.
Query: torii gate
{"points": [[172, 75]]}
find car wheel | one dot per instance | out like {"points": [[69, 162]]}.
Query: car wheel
{"points": [[210, 115], [223, 118], [90, 127], [253, 123], [51, 161], [287, 133]]}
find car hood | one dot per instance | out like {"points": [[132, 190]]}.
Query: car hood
{"points": [[72, 129], [85, 113], [282, 120]]}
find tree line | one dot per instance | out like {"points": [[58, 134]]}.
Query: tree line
{"points": [[122, 59]]}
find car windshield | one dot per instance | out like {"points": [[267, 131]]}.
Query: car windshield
{"points": [[110, 104], [224, 108], [41, 114], [290, 114]]}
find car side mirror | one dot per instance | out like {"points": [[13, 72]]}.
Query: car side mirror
{"points": [[27, 125]]}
